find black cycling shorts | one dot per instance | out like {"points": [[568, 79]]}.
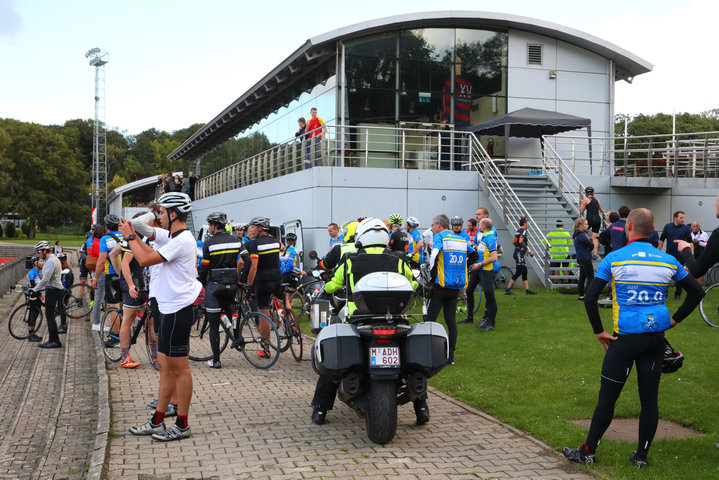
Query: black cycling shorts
{"points": [[594, 224], [291, 279], [263, 292], [84, 272], [218, 295], [174, 336], [127, 300], [155, 312], [113, 294]]}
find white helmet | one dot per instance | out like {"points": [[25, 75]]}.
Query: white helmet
{"points": [[412, 222], [371, 232], [179, 201]]}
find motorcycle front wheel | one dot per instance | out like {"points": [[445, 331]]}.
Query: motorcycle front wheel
{"points": [[382, 415]]}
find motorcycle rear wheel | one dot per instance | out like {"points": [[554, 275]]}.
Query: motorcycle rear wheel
{"points": [[381, 418]]}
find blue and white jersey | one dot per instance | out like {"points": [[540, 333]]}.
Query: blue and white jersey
{"points": [[451, 263], [288, 261], [416, 254], [33, 276], [485, 247], [200, 248], [641, 275]]}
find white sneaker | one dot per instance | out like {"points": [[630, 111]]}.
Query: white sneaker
{"points": [[148, 429], [96, 327]]}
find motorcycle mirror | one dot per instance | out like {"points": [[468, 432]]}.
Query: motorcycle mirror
{"points": [[313, 255]]}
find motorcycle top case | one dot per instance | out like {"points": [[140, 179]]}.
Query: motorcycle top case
{"points": [[426, 347], [382, 292], [337, 349]]}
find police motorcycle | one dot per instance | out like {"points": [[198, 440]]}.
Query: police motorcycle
{"points": [[378, 358]]}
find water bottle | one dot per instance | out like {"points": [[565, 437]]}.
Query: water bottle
{"points": [[235, 319], [136, 322], [225, 321]]}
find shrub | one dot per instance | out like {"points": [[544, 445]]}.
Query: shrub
{"points": [[10, 230], [1, 232], [25, 228]]}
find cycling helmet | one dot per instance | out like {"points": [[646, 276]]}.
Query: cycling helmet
{"points": [[111, 219], [291, 237], [412, 222], [673, 360], [348, 231], [42, 245], [456, 220], [34, 259], [177, 200], [361, 217], [62, 255], [395, 219], [589, 190], [217, 217], [371, 232], [263, 222]]}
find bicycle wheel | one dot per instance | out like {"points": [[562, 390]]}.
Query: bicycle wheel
{"points": [[282, 327], [298, 304], [18, 321], [709, 306], [151, 339], [502, 279], [477, 299], [75, 302], [295, 337], [461, 302], [259, 352], [110, 334], [200, 349]]}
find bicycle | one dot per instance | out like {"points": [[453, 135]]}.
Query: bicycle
{"points": [[288, 328], [245, 335], [74, 301], [110, 336], [709, 306], [19, 319], [301, 299]]}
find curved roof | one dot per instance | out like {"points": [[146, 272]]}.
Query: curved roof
{"points": [[294, 75]]}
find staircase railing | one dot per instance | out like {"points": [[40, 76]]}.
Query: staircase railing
{"points": [[559, 173], [498, 189]]}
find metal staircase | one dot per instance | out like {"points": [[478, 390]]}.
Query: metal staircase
{"points": [[544, 202]]}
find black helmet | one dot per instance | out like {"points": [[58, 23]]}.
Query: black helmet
{"points": [[589, 191], [263, 222], [456, 220], [291, 237], [217, 217], [111, 219], [673, 360]]}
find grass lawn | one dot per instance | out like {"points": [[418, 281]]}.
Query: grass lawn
{"points": [[540, 369], [66, 240]]}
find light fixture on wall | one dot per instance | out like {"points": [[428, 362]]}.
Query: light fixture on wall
{"points": [[552, 74], [411, 108], [366, 105]]}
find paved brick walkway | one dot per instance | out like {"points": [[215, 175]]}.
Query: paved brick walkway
{"points": [[248, 423], [49, 403]]}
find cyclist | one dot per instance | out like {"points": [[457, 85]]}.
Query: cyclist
{"points": [[110, 240], [416, 245], [339, 250], [177, 289], [33, 276], [218, 274], [399, 239], [448, 264], [521, 248], [488, 266], [371, 256], [709, 256], [96, 295], [592, 206], [132, 282], [264, 274], [457, 222], [289, 266], [642, 275], [51, 282]]}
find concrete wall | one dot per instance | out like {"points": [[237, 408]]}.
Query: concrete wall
{"points": [[13, 271]]}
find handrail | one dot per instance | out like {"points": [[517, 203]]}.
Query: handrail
{"points": [[567, 183], [499, 189]]}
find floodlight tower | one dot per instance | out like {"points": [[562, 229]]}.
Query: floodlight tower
{"points": [[98, 59]]}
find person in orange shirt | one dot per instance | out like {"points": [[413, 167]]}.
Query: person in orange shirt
{"points": [[315, 129]]}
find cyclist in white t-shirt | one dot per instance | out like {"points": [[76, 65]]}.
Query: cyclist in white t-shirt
{"points": [[178, 288]]}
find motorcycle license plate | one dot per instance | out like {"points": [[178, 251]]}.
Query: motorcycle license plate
{"points": [[384, 356]]}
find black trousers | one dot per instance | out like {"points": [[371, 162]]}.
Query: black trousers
{"points": [[647, 352], [474, 280], [586, 274], [488, 292], [444, 299], [53, 297]]}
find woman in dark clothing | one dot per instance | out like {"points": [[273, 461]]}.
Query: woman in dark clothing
{"points": [[583, 245]]}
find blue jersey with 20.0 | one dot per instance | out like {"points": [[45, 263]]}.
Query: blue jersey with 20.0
{"points": [[451, 263], [641, 276]]}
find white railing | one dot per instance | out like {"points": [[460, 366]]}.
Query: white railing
{"points": [[563, 177], [496, 186], [686, 155], [429, 148]]}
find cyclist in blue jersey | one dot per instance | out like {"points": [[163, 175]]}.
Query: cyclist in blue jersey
{"points": [[641, 275], [488, 265], [290, 267], [416, 245], [33, 277], [448, 264], [457, 223]]}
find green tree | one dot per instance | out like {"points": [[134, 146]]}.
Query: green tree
{"points": [[10, 230], [46, 183], [1, 231]]}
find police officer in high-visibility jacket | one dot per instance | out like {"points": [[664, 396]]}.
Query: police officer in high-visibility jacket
{"points": [[371, 240]]}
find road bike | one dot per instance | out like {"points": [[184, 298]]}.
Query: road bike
{"points": [[110, 336], [709, 306], [73, 305], [288, 328]]}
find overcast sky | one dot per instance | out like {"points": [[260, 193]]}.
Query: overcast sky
{"points": [[175, 63]]}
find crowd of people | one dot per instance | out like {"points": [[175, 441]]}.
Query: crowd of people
{"points": [[184, 183]]}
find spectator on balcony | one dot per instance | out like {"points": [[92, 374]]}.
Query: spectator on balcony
{"points": [[315, 129]]}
